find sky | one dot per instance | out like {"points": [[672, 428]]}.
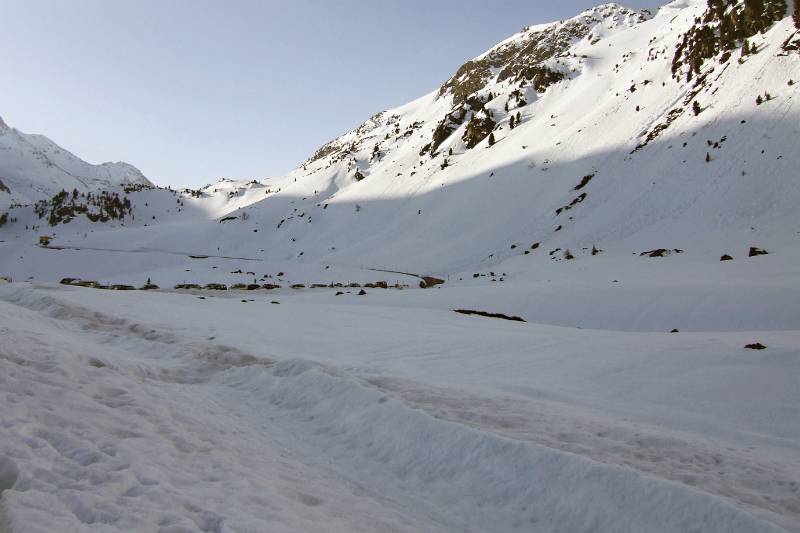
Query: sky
{"points": [[194, 91]]}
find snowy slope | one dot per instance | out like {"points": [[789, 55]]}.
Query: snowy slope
{"points": [[596, 96], [32, 168]]}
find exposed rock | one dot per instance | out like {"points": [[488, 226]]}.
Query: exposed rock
{"points": [[756, 346], [429, 281]]}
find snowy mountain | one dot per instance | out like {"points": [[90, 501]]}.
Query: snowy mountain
{"points": [[621, 187], [32, 168], [593, 96], [617, 129]]}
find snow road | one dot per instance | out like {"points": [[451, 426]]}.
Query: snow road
{"points": [[164, 412]]}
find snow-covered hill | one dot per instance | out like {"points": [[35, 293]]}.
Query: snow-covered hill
{"points": [[446, 184], [33, 168], [618, 131]]}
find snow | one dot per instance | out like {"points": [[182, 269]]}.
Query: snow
{"points": [[322, 410], [158, 410], [35, 168], [435, 221]]}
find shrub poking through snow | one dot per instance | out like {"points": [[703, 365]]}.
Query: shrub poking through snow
{"points": [[661, 252], [489, 315], [584, 182]]}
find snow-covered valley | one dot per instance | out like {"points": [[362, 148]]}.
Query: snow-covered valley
{"points": [[609, 201]]}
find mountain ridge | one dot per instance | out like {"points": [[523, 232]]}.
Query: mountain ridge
{"points": [[33, 167]]}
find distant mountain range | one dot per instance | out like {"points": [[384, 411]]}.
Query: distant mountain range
{"points": [[32, 167]]}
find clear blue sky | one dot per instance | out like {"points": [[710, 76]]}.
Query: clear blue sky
{"points": [[192, 91]]}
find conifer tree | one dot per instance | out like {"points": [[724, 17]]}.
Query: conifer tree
{"points": [[796, 14]]}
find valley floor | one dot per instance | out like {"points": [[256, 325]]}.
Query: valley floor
{"points": [[306, 411]]}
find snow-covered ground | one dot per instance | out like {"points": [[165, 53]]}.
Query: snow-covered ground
{"points": [[155, 411], [602, 218]]}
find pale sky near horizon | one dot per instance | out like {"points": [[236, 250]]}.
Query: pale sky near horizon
{"points": [[193, 91]]}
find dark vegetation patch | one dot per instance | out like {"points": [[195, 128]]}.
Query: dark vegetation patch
{"points": [[661, 252], [478, 128], [756, 346], [187, 286], [584, 182], [63, 207], [489, 315], [572, 204]]}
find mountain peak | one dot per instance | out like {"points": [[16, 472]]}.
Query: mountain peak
{"points": [[535, 45], [35, 168]]}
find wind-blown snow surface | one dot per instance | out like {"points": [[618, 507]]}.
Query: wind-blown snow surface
{"points": [[164, 412]]}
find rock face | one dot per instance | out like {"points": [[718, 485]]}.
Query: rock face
{"points": [[510, 75]]}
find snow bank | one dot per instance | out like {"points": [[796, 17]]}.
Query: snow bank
{"points": [[511, 485], [110, 424]]}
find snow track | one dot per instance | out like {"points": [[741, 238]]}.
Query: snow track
{"points": [[120, 426]]}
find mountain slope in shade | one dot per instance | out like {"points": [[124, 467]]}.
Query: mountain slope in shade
{"points": [[33, 167]]}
